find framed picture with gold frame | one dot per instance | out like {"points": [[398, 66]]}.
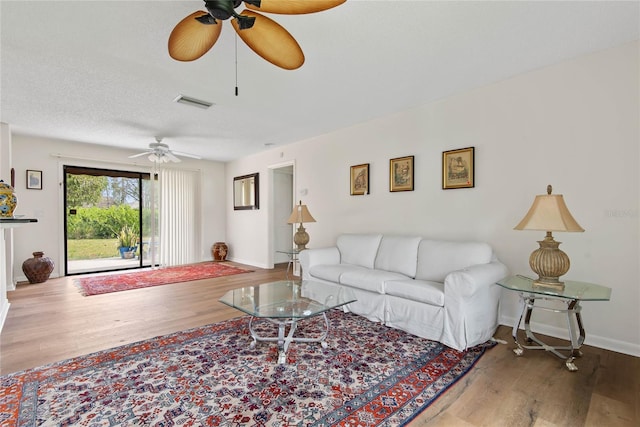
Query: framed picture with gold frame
{"points": [[401, 174], [458, 168], [360, 179]]}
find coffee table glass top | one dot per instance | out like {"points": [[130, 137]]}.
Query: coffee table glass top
{"points": [[287, 299], [572, 290]]}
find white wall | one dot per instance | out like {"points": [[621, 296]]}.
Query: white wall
{"points": [[46, 205], [573, 125]]}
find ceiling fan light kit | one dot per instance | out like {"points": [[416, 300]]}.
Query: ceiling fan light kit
{"points": [[196, 34], [158, 159]]}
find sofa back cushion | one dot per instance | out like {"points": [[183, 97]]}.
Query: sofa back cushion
{"points": [[398, 254], [358, 249], [438, 258]]}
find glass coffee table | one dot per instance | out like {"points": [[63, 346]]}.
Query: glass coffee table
{"points": [[285, 303]]}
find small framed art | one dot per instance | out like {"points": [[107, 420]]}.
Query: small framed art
{"points": [[34, 180], [458, 168], [360, 180], [401, 174]]}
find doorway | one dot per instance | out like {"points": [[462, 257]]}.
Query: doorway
{"points": [[106, 220], [283, 185]]}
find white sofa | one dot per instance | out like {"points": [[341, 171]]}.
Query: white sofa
{"points": [[440, 290]]}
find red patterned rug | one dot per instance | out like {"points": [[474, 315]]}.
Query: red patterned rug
{"points": [[104, 284], [369, 375]]}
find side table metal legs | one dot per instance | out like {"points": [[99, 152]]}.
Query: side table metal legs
{"points": [[573, 319], [291, 264]]}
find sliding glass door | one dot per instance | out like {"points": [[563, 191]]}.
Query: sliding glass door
{"points": [[107, 219]]}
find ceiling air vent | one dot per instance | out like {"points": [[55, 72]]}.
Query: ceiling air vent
{"points": [[187, 100]]}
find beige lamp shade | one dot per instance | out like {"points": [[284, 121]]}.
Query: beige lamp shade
{"points": [[300, 214], [549, 213]]}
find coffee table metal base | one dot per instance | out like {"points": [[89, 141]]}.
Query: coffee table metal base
{"points": [[284, 339]]}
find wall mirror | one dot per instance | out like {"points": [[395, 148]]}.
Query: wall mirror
{"points": [[246, 194]]}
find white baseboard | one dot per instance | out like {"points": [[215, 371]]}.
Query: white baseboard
{"points": [[16, 280], [21, 279], [592, 340]]}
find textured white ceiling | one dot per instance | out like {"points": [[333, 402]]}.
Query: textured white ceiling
{"points": [[99, 72]]}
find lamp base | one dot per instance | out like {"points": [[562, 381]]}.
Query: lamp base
{"points": [[549, 262], [301, 238]]}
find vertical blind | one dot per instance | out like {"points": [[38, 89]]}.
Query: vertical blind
{"points": [[179, 216]]}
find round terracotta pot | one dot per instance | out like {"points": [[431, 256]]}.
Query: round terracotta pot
{"points": [[38, 268], [219, 251]]}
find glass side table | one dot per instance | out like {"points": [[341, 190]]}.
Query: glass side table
{"points": [[293, 257], [571, 295]]}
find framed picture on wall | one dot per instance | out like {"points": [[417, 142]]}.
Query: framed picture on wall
{"points": [[458, 168], [360, 179], [34, 180], [401, 174]]}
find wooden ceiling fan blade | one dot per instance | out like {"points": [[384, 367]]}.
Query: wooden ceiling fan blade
{"points": [[294, 7], [271, 41], [191, 38]]}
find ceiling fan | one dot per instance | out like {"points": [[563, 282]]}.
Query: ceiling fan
{"points": [[159, 152], [198, 32]]}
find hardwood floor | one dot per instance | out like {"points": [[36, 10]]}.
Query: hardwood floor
{"points": [[52, 321]]}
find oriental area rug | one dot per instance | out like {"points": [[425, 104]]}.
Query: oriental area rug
{"points": [[103, 284], [369, 375]]}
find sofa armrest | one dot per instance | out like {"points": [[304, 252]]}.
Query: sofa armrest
{"points": [[471, 299], [310, 257], [468, 281]]}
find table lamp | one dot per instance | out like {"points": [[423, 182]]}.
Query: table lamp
{"points": [[300, 215], [549, 213]]}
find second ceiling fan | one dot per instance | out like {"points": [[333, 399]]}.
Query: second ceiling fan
{"points": [[158, 152], [196, 34]]}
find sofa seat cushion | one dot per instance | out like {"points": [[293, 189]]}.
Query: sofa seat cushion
{"points": [[436, 259], [424, 291], [369, 279], [332, 272]]}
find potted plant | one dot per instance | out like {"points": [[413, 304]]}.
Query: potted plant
{"points": [[127, 242]]}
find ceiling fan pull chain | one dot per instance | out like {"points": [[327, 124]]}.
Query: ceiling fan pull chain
{"points": [[236, 64]]}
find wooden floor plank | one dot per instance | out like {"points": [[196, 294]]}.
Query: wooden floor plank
{"points": [[52, 321]]}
